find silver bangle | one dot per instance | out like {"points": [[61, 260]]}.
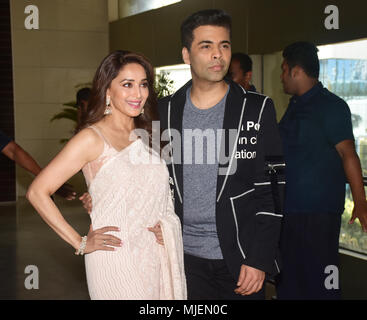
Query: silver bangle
{"points": [[83, 244]]}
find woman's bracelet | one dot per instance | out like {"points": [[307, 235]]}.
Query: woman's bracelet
{"points": [[83, 244]]}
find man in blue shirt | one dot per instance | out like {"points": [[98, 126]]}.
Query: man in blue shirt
{"points": [[320, 155]]}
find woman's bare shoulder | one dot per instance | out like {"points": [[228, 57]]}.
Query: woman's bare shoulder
{"points": [[89, 142], [87, 136]]}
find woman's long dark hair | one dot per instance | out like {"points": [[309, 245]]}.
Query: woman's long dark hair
{"points": [[106, 72]]}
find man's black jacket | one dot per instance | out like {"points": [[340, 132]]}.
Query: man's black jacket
{"points": [[247, 224]]}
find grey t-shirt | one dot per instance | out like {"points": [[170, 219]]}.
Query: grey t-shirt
{"points": [[200, 171]]}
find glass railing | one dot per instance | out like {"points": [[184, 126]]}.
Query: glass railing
{"points": [[352, 236], [343, 70]]}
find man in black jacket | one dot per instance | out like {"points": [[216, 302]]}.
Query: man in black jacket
{"points": [[225, 143]]}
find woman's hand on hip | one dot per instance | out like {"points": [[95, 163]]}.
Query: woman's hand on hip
{"points": [[99, 240]]}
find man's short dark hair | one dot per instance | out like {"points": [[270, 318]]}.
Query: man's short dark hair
{"points": [[244, 60], [211, 17], [82, 95], [304, 55]]}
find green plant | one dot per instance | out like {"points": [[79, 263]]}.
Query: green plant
{"points": [[67, 113], [70, 111], [163, 84]]}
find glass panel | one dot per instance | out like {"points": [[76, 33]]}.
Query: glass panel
{"points": [[343, 70], [179, 74]]}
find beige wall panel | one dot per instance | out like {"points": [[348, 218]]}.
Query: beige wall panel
{"points": [[27, 85], [272, 84], [168, 36], [48, 13], [123, 38], [274, 24], [73, 49], [259, 26], [136, 35], [83, 15], [155, 33], [34, 122], [167, 40], [17, 12], [49, 85], [59, 84], [48, 64], [269, 26], [72, 15], [26, 47], [239, 12], [257, 71], [113, 6], [54, 85], [185, 8]]}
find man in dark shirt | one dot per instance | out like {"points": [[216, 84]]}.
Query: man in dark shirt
{"points": [[4, 141], [16, 153], [320, 156], [240, 70]]}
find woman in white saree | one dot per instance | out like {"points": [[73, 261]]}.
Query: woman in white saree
{"points": [[134, 247]]}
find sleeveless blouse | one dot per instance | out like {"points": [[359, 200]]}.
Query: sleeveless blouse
{"points": [[130, 190]]}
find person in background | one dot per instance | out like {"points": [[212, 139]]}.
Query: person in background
{"points": [[320, 155], [240, 70], [82, 97], [15, 152]]}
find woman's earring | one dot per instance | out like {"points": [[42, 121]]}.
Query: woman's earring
{"points": [[108, 109], [142, 111]]}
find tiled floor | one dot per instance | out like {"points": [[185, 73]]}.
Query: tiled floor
{"points": [[25, 240]]}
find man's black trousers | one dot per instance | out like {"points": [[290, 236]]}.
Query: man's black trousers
{"points": [[310, 260], [211, 280]]}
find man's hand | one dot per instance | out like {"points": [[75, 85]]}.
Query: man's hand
{"points": [[66, 191], [360, 212], [250, 280], [157, 230], [87, 201], [353, 172]]}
